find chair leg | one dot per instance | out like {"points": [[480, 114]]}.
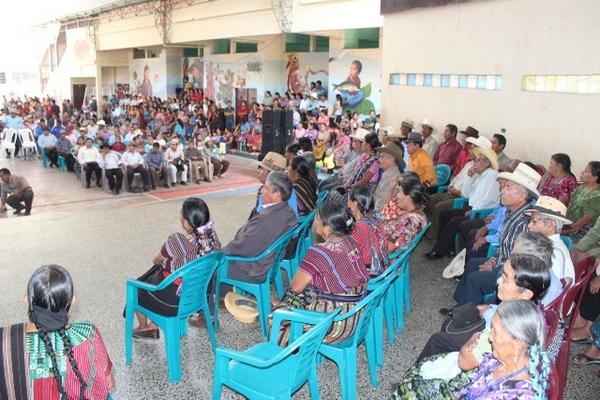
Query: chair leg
{"points": [[313, 382], [370, 346], [217, 388], [264, 305], [406, 282], [217, 291], [183, 327], [172, 344], [279, 283], [129, 316], [209, 327], [377, 326], [399, 302], [348, 374]]}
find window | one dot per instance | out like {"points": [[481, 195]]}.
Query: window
{"points": [[139, 53], [2, 77], [190, 52], [153, 53], [246, 47], [221, 46], [297, 43], [453, 81], [321, 44], [365, 38], [580, 84]]}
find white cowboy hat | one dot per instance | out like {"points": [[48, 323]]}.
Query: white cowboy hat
{"points": [[525, 176], [427, 122], [242, 308], [480, 141], [101, 122], [456, 266], [551, 208], [487, 153], [360, 134]]}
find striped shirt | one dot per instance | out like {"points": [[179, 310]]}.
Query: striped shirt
{"points": [[369, 234], [515, 223], [335, 267], [179, 250]]}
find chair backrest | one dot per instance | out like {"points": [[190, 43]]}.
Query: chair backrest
{"points": [[552, 321], [278, 248], [556, 304], [304, 234], [392, 269], [322, 197], [195, 278], [554, 392], [9, 135], [583, 274], [442, 173], [412, 245], [567, 241], [366, 308], [26, 137], [308, 344]]}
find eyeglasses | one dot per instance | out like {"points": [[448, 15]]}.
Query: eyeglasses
{"points": [[536, 220]]}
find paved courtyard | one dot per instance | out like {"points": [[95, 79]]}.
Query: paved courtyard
{"points": [[103, 240]]}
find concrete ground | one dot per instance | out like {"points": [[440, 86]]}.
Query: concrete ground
{"points": [[103, 240]]}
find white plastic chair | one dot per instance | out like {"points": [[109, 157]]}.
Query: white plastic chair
{"points": [[9, 139], [28, 143]]}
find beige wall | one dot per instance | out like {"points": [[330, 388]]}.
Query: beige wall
{"points": [[507, 37]]}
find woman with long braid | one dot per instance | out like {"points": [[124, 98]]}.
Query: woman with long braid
{"points": [[66, 361]]}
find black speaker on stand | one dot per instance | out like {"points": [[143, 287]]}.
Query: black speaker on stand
{"points": [[277, 131]]}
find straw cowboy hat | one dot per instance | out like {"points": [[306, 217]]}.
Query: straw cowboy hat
{"points": [[359, 134], [488, 153], [241, 308], [525, 176], [273, 162], [471, 132], [427, 122], [480, 141], [392, 149], [409, 123], [456, 266], [551, 208]]}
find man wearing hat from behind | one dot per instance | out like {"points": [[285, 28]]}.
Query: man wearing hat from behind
{"points": [[548, 217], [429, 143], [391, 161], [519, 190], [273, 162], [419, 161]]}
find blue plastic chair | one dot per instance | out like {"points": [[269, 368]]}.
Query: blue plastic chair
{"points": [[303, 236], [267, 371], [403, 296], [344, 354], [322, 196], [195, 278], [567, 241], [442, 173], [262, 290], [459, 203]]}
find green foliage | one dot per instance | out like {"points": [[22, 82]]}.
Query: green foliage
{"points": [[366, 105]]}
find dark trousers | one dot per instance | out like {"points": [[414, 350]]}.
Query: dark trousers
{"points": [[69, 160], [52, 155], [475, 284], [450, 220], [143, 171], [92, 167], [444, 342], [24, 201], [468, 228], [590, 304], [220, 167], [479, 253], [115, 178]]}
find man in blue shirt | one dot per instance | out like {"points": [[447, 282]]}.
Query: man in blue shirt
{"points": [[58, 128], [272, 162], [14, 121]]}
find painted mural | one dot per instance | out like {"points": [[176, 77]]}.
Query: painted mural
{"points": [[193, 69], [221, 78], [304, 68], [356, 77], [148, 77]]}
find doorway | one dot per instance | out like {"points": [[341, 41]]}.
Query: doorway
{"points": [[78, 95]]}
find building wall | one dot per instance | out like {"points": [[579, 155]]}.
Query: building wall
{"points": [[507, 37]]}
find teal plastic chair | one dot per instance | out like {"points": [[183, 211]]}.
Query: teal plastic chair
{"points": [[344, 354], [459, 203], [262, 290], [403, 292], [387, 307], [45, 160], [303, 236], [567, 241], [321, 197], [267, 371], [62, 163], [442, 173], [195, 277]]}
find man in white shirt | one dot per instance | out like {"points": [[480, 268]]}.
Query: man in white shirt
{"points": [[430, 145], [548, 217], [92, 129], [110, 162], [134, 162], [176, 162], [47, 143], [88, 158]]}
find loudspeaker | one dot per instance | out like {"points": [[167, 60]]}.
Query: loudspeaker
{"points": [[277, 131]]}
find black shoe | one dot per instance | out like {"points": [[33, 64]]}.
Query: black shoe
{"points": [[87, 186], [18, 211], [446, 312], [432, 255], [151, 334], [183, 183], [166, 186], [457, 278]]}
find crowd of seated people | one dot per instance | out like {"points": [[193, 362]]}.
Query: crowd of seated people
{"points": [[382, 192]]}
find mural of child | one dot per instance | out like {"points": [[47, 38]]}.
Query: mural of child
{"points": [[145, 88], [350, 89]]}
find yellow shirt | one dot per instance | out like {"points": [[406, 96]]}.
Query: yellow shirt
{"points": [[422, 165]]}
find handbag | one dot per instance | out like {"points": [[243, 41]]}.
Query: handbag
{"points": [[179, 164]]}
